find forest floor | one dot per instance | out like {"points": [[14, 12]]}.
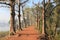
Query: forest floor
{"points": [[29, 33]]}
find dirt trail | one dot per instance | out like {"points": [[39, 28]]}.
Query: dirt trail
{"points": [[29, 33]]}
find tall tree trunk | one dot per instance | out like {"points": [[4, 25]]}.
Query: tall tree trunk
{"points": [[37, 18], [12, 16], [19, 16], [43, 29], [43, 19], [24, 16]]}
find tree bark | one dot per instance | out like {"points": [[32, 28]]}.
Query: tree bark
{"points": [[12, 16], [43, 29], [19, 15], [24, 16]]}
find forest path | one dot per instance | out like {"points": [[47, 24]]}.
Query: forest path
{"points": [[29, 33]]}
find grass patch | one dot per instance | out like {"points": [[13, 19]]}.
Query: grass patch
{"points": [[3, 34]]}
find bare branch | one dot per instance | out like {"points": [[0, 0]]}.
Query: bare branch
{"points": [[24, 2], [23, 6], [5, 6], [34, 3], [4, 3]]}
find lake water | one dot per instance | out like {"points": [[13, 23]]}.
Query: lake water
{"points": [[4, 26]]}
